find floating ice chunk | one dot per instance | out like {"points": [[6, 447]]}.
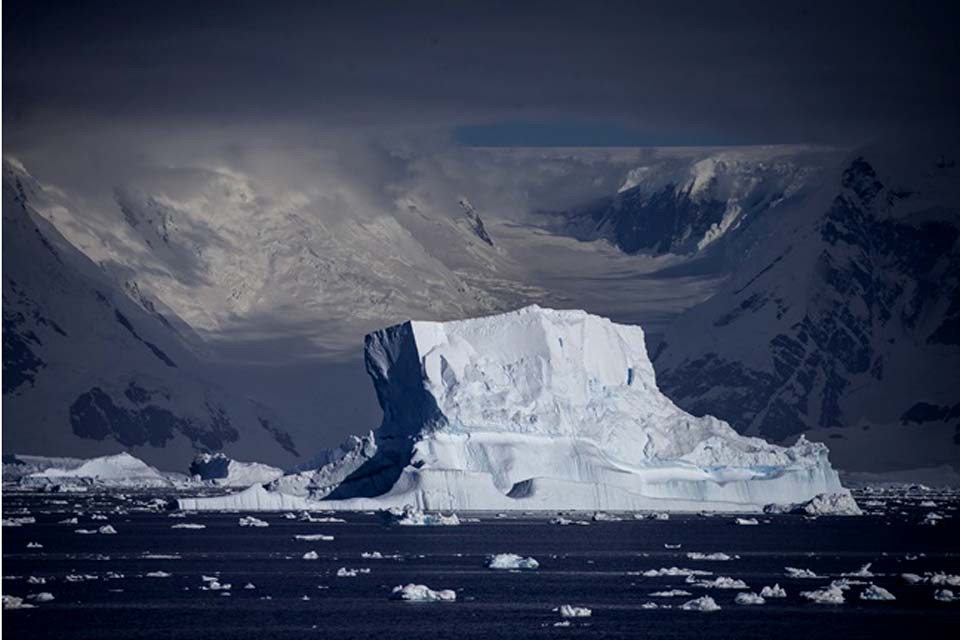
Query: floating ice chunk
{"points": [[107, 529], [43, 596], [931, 519], [794, 572], [745, 597], [718, 556], [562, 623], [674, 571], [189, 525], [929, 504], [36, 580], [862, 572], [511, 561], [602, 516], [840, 503], [344, 572], [98, 516], [69, 521], [215, 585], [411, 517], [158, 574], [85, 532], [161, 556], [941, 595], [746, 521], [422, 593], [249, 585], [831, 594], [570, 611], [660, 516], [34, 545], [703, 603], [913, 578], [371, 555], [306, 516], [250, 521], [873, 592], [13, 602], [672, 593], [776, 591], [941, 578], [653, 605], [313, 537], [720, 582], [567, 521], [311, 555], [667, 545]]}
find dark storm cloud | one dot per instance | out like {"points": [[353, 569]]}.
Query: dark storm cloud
{"points": [[735, 72]]}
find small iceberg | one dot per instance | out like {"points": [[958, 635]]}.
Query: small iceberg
{"points": [[776, 591], [794, 572], [873, 592], [313, 537], [719, 556], [250, 521], [511, 561], [188, 525], [832, 594], [748, 597], [570, 611], [409, 516], [422, 593], [746, 521], [704, 603], [311, 555]]}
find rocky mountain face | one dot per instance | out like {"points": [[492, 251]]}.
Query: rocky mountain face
{"points": [[844, 322], [89, 369]]}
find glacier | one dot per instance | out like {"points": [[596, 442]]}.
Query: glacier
{"points": [[537, 409]]}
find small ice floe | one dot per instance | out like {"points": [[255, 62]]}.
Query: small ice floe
{"points": [[667, 545], [566, 521], [36, 580], [106, 529], [313, 537], [749, 597], [570, 611], [794, 572], [250, 521], [654, 605], [776, 591], [941, 578], [19, 521], [43, 596], [941, 595], [718, 556], [311, 555], [177, 514], [69, 521], [562, 623], [98, 516], [672, 593], [703, 603], [158, 574], [660, 516], [746, 522], [188, 525], [412, 517], [913, 578], [34, 545], [371, 555], [720, 582], [601, 516], [305, 597], [862, 572], [215, 585], [832, 594], [931, 519], [422, 593], [674, 572], [344, 572], [85, 532], [161, 556], [306, 516], [511, 561], [873, 592], [13, 602]]}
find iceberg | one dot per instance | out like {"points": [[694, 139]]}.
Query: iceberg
{"points": [[748, 598], [422, 593], [537, 409], [120, 470], [703, 603], [873, 592], [511, 561], [219, 470]]}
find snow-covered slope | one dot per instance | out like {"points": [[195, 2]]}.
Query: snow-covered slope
{"points": [[89, 370], [220, 470], [683, 202], [120, 470], [539, 409], [844, 321]]}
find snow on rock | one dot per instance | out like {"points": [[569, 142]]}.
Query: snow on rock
{"points": [[537, 409], [422, 593], [120, 470], [511, 561], [776, 591], [873, 592], [703, 603], [570, 611], [219, 470], [745, 597]]}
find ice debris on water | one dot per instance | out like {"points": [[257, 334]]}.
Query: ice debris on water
{"points": [[344, 572], [158, 574], [250, 521], [410, 516], [748, 597], [776, 591], [831, 594], [43, 596], [422, 593], [945, 595], [313, 537], [873, 592], [794, 572], [720, 582], [718, 556], [188, 525], [570, 611], [13, 602], [703, 603], [746, 521], [511, 561], [311, 555], [862, 572], [672, 593]]}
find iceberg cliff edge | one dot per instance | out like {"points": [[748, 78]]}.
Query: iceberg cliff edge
{"points": [[536, 409]]}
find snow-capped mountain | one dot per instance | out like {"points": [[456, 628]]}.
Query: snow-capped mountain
{"points": [[89, 370], [684, 202], [538, 409], [843, 322]]}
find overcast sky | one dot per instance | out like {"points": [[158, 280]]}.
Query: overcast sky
{"points": [[513, 73]]}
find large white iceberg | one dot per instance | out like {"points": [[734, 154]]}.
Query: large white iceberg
{"points": [[120, 470], [537, 409]]}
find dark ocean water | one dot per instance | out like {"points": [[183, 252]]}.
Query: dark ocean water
{"points": [[593, 566]]}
